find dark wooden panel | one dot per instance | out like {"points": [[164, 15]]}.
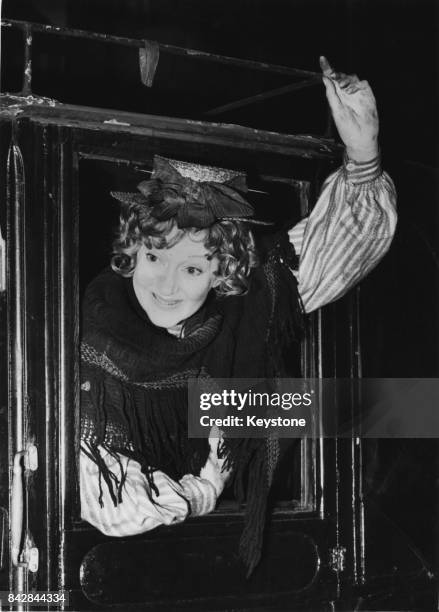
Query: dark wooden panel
{"points": [[295, 565], [167, 571]]}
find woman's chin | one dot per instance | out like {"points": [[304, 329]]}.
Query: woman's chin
{"points": [[164, 319]]}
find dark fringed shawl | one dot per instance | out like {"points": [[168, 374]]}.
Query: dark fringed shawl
{"points": [[134, 380]]}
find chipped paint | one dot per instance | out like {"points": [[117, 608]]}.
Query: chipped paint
{"points": [[32, 100], [116, 122], [29, 40], [11, 110], [17, 102]]}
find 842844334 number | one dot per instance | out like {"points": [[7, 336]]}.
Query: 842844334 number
{"points": [[34, 598]]}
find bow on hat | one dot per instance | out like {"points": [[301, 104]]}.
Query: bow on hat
{"points": [[193, 203]]}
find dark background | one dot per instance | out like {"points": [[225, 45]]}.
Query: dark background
{"points": [[392, 43]]}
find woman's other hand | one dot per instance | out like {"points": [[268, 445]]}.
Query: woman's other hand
{"points": [[213, 470], [354, 110]]}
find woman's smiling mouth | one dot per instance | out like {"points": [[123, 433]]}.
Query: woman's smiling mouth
{"points": [[165, 302]]}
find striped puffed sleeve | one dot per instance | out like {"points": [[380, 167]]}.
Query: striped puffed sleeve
{"points": [[141, 509], [347, 233]]}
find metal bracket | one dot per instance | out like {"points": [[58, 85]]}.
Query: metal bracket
{"points": [[31, 556], [31, 458], [23, 460], [337, 558]]}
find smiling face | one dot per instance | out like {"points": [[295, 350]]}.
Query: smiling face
{"points": [[172, 284]]}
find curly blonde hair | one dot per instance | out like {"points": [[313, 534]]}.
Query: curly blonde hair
{"points": [[231, 242]]}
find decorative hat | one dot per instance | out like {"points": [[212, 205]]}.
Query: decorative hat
{"points": [[197, 196]]}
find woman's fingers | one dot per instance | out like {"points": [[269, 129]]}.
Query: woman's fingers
{"points": [[354, 111], [344, 81], [325, 66]]}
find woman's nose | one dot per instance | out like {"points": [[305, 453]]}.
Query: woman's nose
{"points": [[167, 282]]}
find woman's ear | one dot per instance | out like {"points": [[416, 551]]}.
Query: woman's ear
{"points": [[216, 281]]}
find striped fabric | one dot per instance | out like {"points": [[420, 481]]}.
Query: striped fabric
{"points": [[137, 513], [200, 493], [359, 173], [142, 509], [345, 236], [347, 233]]}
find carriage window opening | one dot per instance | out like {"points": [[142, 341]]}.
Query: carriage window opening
{"points": [[293, 488]]}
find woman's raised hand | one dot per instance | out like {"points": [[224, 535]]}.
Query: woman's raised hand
{"points": [[354, 110]]}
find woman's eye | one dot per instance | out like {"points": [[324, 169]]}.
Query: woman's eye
{"points": [[151, 257], [194, 271]]}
